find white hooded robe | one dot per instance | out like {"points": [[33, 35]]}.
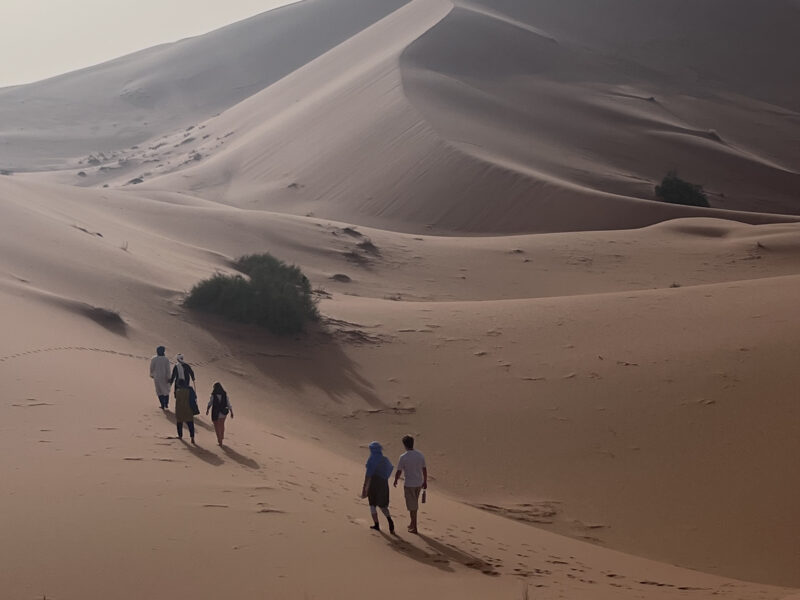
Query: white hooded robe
{"points": [[161, 371]]}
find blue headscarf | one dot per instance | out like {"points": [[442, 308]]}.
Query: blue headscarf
{"points": [[378, 464]]}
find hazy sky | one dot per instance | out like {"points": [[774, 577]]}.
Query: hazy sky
{"points": [[41, 38]]}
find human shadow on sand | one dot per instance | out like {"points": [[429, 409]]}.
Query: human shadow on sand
{"points": [[171, 418], [438, 554], [240, 458], [457, 555], [312, 359], [433, 559], [203, 454]]}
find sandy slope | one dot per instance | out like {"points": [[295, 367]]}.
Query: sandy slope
{"points": [[109, 505], [105, 109], [492, 118], [169, 241], [641, 420], [632, 413], [608, 387], [480, 118], [740, 47], [558, 112]]}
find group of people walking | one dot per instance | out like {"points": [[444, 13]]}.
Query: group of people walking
{"points": [[376, 482], [411, 465], [181, 374]]}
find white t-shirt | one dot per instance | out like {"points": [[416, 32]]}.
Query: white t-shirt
{"points": [[411, 464]]}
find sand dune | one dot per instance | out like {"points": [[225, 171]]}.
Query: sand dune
{"points": [[266, 508], [641, 396], [740, 48], [583, 118], [472, 119], [107, 108], [610, 424], [479, 118], [606, 393], [403, 266]]}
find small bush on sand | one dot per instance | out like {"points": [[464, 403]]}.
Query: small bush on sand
{"points": [[675, 190], [274, 295]]}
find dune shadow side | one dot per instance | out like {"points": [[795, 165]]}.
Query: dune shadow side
{"points": [[312, 359]]}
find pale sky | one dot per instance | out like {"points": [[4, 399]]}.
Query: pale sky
{"points": [[42, 38]]}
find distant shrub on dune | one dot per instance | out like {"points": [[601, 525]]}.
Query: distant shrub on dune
{"points": [[675, 190], [275, 295]]}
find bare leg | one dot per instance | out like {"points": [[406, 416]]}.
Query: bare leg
{"points": [[219, 427], [385, 511], [374, 512]]}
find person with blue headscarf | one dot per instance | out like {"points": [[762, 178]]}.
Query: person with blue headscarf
{"points": [[160, 371], [376, 485]]}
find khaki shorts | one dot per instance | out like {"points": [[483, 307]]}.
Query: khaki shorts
{"points": [[412, 497]]}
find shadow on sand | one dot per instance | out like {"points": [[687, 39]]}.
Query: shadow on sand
{"points": [[460, 556], [411, 551], [210, 457], [197, 422], [203, 454], [438, 554], [240, 458], [313, 359]]}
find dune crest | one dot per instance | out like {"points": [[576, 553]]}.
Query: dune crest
{"points": [[490, 117]]}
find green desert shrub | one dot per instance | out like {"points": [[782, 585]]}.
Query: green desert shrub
{"points": [[675, 190], [274, 295]]}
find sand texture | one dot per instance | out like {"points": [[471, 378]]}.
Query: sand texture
{"points": [[604, 385]]}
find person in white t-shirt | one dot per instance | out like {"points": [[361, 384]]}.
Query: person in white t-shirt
{"points": [[412, 463]]}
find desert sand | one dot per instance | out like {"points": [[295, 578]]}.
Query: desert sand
{"points": [[603, 385]]}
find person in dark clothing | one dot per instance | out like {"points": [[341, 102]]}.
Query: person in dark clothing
{"points": [[182, 373], [376, 485], [183, 376], [220, 406]]}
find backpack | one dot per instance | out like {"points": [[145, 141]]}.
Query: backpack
{"points": [[220, 403]]}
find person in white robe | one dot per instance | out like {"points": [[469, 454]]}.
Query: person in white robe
{"points": [[160, 371]]}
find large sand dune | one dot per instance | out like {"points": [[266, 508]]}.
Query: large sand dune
{"points": [[744, 48], [593, 382], [597, 403], [111, 106], [491, 118]]}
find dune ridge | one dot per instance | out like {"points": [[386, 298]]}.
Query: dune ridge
{"points": [[476, 101], [109, 107]]}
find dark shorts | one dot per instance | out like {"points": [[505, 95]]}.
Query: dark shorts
{"points": [[378, 492]]}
